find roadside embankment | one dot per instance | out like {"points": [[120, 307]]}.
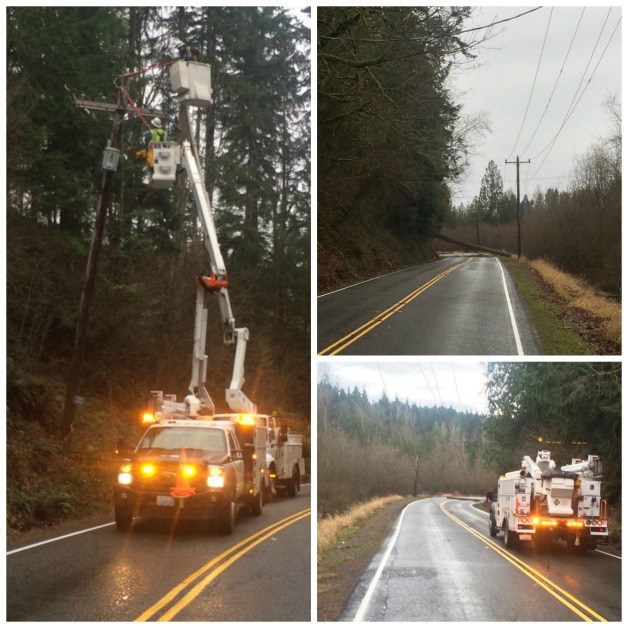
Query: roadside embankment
{"points": [[346, 545]]}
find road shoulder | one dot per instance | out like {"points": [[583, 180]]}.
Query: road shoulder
{"points": [[341, 566]]}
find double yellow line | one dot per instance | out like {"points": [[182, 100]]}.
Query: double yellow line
{"points": [[356, 334], [580, 609], [200, 579]]}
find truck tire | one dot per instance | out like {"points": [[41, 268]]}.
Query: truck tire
{"points": [[293, 483], [257, 502], [492, 528], [123, 519], [584, 546], [226, 521], [510, 538]]}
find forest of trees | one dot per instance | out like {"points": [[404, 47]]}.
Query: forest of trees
{"points": [[390, 135], [578, 228], [558, 402], [368, 448], [255, 146]]}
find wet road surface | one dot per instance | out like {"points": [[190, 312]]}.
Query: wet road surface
{"points": [[447, 568], [106, 575], [459, 305]]}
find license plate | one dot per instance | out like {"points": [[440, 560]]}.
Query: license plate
{"points": [[525, 537], [164, 500]]}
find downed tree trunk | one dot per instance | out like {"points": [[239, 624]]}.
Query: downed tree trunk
{"points": [[469, 245]]}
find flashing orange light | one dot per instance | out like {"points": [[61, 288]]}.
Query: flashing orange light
{"points": [[216, 471], [536, 521], [575, 524], [148, 418], [189, 470], [148, 469], [254, 456], [246, 419]]}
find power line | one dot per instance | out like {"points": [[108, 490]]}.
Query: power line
{"points": [[579, 99], [556, 83], [569, 109], [436, 383], [514, 17], [533, 83], [453, 368], [428, 384]]}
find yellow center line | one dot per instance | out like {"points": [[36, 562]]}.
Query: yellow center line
{"points": [[552, 588], [266, 532], [365, 328]]}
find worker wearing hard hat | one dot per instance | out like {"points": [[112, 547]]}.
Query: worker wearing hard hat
{"points": [[155, 134]]}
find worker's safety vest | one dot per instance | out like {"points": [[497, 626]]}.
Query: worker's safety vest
{"points": [[158, 135]]}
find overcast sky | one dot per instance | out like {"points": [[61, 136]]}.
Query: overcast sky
{"points": [[502, 84], [455, 384]]}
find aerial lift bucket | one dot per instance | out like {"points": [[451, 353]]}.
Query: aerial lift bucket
{"points": [[166, 158]]}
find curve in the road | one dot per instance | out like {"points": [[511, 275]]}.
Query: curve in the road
{"points": [[406, 581], [213, 569], [571, 602]]}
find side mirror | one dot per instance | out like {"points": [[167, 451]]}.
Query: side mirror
{"points": [[122, 448], [490, 497]]}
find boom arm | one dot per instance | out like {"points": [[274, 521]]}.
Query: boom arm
{"points": [[236, 399]]}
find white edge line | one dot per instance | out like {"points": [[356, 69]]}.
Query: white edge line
{"points": [[607, 554], [515, 329], [320, 296], [359, 616], [58, 538]]}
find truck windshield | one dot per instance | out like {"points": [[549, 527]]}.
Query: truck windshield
{"points": [[204, 439]]}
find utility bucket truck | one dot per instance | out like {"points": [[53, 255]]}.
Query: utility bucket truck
{"points": [[539, 502], [191, 462]]}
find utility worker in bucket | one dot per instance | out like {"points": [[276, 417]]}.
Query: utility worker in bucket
{"points": [[155, 134]]}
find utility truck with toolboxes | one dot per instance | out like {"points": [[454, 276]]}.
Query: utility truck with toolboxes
{"points": [[192, 463], [539, 502]]}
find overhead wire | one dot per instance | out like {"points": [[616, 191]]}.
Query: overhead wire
{"points": [[549, 100], [553, 141], [569, 108], [533, 84]]}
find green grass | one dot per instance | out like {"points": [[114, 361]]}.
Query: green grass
{"points": [[556, 335]]}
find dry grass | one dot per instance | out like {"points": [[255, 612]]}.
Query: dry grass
{"points": [[329, 527], [579, 294]]}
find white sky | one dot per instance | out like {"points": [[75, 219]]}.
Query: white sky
{"points": [[502, 84], [423, 383]]}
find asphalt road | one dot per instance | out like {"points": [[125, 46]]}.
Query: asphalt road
{"points": [[441, 569], [105, 575], [458, 305]]}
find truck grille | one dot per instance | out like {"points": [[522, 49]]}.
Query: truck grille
{"points": [[165, 478]]}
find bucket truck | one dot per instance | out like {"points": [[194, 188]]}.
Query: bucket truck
{"points": [[192, 463], [540, 502]]}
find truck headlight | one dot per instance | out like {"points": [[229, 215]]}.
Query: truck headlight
{"points": [[125, 476], [215, 477]]}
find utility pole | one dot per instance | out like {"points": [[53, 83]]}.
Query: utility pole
{"points": [[110, 163], [518, 205], [416, 476]]}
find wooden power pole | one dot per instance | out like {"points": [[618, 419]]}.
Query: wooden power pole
{"points": [[518, 205], [109, 166]]}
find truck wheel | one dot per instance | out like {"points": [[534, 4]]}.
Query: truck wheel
{"points": [[256, 503], [123, 520], [582, 548], [293, 483], [492, 528], [226, 522], [510, 538]]}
